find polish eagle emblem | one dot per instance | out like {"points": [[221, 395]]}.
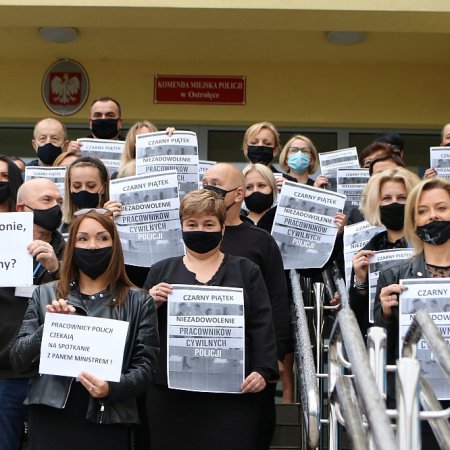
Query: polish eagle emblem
{"points": [[65, 89]]}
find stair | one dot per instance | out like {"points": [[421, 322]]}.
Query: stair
{"points": [[288, 429]]}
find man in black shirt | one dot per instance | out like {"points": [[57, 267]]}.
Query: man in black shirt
{"points": [[247, 240]]}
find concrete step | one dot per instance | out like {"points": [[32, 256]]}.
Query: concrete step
{"points": [[288, 430]]}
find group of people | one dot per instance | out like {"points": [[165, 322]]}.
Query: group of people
{"points": [[226, 232]]}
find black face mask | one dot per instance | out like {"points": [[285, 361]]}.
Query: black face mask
{"points": [[260, 154], [219, 191], [48, 153], [202, 241], [49, 219], [392, 216], [258, 202], [4, 191], [92, 262], [85, 199], [436, 233], [105, 128]]}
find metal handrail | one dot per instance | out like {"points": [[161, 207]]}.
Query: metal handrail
{"points": [[346, 329], [309, 393]]}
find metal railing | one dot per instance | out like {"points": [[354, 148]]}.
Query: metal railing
{"points": [[357, 377]]}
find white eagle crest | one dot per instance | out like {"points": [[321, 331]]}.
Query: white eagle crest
{"points": [[64, 89]]}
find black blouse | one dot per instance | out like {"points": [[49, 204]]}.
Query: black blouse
{"points": [[260, 344]]}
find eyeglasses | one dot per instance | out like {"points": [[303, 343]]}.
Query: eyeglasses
{"points": [[304, 150], [101, 211]]}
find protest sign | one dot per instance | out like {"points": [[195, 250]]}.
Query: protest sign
{"points": [[440, 160], [55, 174], [330, 162], [73, 343], [16, 264], [108, 150], [203, 166], [433, 295], [381, 260], [158, 152], [148, 225], [356, 236], [351, 183], [206, 338], [304, 225]]}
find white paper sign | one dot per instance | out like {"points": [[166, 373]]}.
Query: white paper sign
{"points": [[304, 227], [433, 295], [16, 264], [73, 343], [206, 338]]}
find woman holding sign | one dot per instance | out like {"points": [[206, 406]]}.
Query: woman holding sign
{"points": [[427, 227], [88, 412], [205, 420], [383, 203]]}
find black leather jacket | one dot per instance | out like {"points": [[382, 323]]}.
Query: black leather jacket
{"points": [[139, 360], [412, 268]]}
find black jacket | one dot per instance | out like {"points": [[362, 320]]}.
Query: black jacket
{"points": [[12, 309], [359, 300], [139, 360], [412, 268]]}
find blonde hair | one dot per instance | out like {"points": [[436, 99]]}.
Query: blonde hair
{"points": [[314, 161], [129, 151], [74, 153], [254, 129], [127, 170], [266, 173], [412, 205], [370, 200]]}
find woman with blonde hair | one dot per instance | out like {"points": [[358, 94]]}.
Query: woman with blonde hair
{"points": [[260, 195], [261, 145], [129, 151], [427, 228], [383, 203], [299, 158]]}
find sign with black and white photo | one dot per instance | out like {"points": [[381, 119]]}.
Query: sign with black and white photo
{"points": [[440, 160], [158, 152], [330, 162], [381, 260], [55, 174], [356, 236], [433, 295], [304, 227], [351, 183], [206, 338], [108, 150], [148, 225]]}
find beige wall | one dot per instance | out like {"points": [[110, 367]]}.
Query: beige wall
{"points": [[314, 94]]}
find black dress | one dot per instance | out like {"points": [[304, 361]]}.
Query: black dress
{"points": [[197, 420]]}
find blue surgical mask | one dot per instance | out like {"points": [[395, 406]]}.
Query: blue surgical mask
{"points": [[298, 162]]}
